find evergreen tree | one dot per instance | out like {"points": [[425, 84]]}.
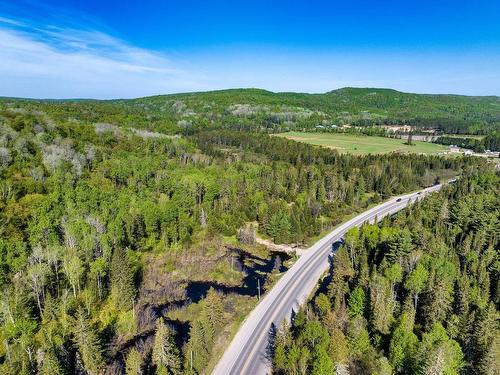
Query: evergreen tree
{"points": [[487, 340], [314, 335], [399, 246], [48, 363], [357, 300], [197, 351], [439, 294], [203, 331], [282, 343], [382, 303], [279, 227], [88, 344], [489, 363], [165, 355], [214, 308], [321, 363], [122, 280], [339, 350], [134, 362]]}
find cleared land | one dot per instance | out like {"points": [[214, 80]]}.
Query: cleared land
{"points": [[363, 144], [471, 136]]}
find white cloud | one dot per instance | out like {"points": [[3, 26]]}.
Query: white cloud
{"points": [[10, 21], [55, 62], [76, 62]]}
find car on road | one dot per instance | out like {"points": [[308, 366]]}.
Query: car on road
{"points": [[398, 200]]}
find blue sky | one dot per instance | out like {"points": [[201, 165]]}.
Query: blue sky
{"points": [[122, 49]]}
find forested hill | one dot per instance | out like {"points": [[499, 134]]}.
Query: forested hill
{"points": [[255, 109]]}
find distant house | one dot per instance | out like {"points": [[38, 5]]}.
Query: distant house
{"points": [[453, 148]]}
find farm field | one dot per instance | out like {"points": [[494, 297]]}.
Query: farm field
{"points": [[363, 144]]}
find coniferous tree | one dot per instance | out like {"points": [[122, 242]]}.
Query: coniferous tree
{"points": [[48, 363], [165, 355], [382, 303], [339, 349], [122, 280], [214, 308], [134, 363], [279, 227], [357, 302], [281, 343], [197, 351], [88, 344], [321, 363], [399, 246], [486, 338]]}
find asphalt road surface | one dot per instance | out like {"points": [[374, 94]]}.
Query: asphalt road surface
{"points": [[247, 353]]}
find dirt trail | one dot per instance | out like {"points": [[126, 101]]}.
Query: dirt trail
{"points": [[282, 247]]}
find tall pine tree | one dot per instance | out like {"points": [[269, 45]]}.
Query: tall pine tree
{"points": [[134, 362], [88, 344], [165, 352], [122, 280]]}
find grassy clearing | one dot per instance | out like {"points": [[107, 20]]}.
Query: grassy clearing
{"points": [[363, 144], [470, 136]]}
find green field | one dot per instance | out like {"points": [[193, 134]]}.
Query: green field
{"points": [[470, 136], [363, 144]]}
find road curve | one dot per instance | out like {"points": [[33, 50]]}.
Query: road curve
{"points": [[247, 352]]}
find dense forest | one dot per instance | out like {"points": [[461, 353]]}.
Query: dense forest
{"points": [[417, 294], [107, 224], [260, 110]]}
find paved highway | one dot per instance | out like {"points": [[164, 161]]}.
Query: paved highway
{"points": [[247, 352]]}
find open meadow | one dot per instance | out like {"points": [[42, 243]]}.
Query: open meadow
{"points": [[363, 144]]}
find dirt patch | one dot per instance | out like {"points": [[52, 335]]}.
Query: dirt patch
{"points": [[286, 248]]}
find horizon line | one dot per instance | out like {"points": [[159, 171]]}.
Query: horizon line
{"points": [[3, 97]]}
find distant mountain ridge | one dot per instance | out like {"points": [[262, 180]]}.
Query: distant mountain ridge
{"points": [[278, 111], [348, 90]]}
